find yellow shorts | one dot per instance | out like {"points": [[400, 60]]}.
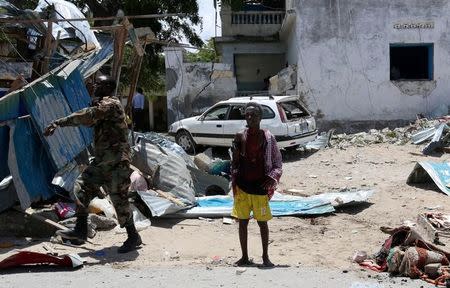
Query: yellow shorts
{"points": [[245, 203]]}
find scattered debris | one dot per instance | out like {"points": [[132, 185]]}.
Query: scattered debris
{"points": [[406, 253], [436, 224], [29, 258], [321, 141], [227, 220]]}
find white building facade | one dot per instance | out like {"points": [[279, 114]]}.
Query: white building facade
{"points": [[370, 61]]}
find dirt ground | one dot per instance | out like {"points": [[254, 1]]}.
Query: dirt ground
{"points": [[324, 241]]}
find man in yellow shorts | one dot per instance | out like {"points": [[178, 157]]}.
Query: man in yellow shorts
{"points": [[256, 168]]}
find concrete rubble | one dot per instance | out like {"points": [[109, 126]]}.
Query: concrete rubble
{"points": [[419, 132]]}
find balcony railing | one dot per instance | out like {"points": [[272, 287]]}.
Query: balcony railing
{"points": [[252, 17]]}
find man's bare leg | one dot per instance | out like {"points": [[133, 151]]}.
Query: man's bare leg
{"points": [[243, 235], [264, 229]]}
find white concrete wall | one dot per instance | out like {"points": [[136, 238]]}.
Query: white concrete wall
{"points": [[343, 57], [193, 87]]}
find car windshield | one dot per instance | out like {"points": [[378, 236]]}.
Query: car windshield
{"points": [[293, 109]]}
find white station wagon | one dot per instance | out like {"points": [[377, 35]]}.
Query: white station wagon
{"points": [[284, 116]]}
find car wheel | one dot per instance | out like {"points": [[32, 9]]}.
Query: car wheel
{"points": [[184, 139]]}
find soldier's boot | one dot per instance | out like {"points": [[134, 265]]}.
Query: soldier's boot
{"points": [[133, 240], [80, 232]]}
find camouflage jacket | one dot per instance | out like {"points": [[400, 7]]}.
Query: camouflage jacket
{"points": [[110, 130]]}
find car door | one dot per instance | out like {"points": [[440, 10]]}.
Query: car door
{"points": [[209, 128], [235, 122]]}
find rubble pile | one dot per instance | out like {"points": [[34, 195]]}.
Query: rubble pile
{"points": [[396, 136]]}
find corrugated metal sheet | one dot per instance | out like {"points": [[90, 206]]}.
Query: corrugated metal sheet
{"points": [[423, 135], [96, 60], [66, 177], [425, 172], [157, 205], [11, 107], [77, 97], [29, 164], [46, 102]]}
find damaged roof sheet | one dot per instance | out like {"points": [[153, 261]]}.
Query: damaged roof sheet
{"points": [[46, 101], [439, 173], [99, 58]]}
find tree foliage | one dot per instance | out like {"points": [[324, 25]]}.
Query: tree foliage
{"points": [[174, 29], [206, 53], [24, 4]]}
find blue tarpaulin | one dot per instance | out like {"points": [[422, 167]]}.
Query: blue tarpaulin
{"points": [[280, 205], [279, 208]]}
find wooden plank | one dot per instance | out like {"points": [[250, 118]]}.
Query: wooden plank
{"points": [[169, 197], [120, 37], [43, 219], [47, 49]]}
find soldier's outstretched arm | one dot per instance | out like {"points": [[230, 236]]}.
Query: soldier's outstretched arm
{"points": [[86, 117]]}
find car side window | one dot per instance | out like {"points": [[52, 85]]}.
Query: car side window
{"points": [[217, 113], [237, 112], [267, 112]]}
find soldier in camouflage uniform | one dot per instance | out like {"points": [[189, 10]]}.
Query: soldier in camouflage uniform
{"points": [[111, 167]]}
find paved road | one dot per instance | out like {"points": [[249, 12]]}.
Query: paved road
{"points": [[110, 276]]}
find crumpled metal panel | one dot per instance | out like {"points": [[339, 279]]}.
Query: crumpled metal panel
{"points": [[425, 172], [321, 141], [338, 199], [46, 102], [166, 143], [100, 57], [172, 173], [66, 177], [436, 140], [157, 205], [30, 167], [423, 135]]}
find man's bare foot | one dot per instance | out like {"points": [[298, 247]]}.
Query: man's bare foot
{"points": [[267, 263], [243, 262]]}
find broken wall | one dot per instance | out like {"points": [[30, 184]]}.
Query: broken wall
{"points": [[194, 87], [342, 51]]}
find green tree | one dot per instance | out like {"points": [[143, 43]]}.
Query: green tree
{"points": [[24, 4], [173, 29], [206, 53]]}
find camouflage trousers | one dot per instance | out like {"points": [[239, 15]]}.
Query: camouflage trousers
{"points": [[115, 181]]}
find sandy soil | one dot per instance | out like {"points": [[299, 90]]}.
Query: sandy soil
{"points": [[324, 241]]}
